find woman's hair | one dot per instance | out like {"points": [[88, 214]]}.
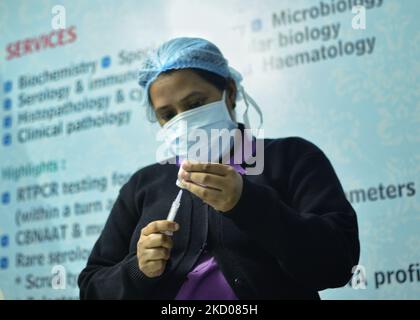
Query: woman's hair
{"points": [[214, 79]]}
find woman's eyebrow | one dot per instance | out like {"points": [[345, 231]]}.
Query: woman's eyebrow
{"points": [[191, 95], [187, 97]]}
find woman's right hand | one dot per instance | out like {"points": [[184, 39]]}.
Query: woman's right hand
{"points": [[154, 247]]}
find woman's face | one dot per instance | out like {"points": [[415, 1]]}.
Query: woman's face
{"points": [[183, 90]]}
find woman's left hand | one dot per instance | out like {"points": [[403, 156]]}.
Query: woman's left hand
{"points": [[218, 185]]}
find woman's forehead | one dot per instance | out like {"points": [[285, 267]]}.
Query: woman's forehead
{"points": [[173, 87]]}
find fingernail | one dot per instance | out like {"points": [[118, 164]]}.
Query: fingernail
{"points": [[176, 227], [180, 173], [180, 184], [185, 164], [185, 175]]}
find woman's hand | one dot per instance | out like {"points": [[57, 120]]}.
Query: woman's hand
{"points": [[218, 185], [154, 247]]}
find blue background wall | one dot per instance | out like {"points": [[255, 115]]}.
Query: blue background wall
{"points": [[362, 110]]}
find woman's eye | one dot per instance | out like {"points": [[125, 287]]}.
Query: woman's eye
{"points": [[167, 116], [196, 104]]}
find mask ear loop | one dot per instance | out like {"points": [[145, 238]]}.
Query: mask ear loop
{"points": [[248, 100]]}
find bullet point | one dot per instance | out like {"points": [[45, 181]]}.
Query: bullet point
{"points": [[106, 62], [7, 122], [4, 263], [7, 86], [256, 25], [5, 197], [4, 240], [7, 139], [7, 104]]}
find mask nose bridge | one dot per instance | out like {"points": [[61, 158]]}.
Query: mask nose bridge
{"points": [[185, 114]]}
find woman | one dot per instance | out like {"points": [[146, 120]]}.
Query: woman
{"points": [[285, 233]]}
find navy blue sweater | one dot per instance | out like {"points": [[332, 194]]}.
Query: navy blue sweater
{"points": [[292, 233]]}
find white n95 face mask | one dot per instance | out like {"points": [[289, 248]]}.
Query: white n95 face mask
{"points": [[200, 134]]}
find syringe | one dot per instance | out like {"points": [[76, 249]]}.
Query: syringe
{"points": [[174, 209]]}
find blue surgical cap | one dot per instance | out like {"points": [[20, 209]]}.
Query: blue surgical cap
{"points": [[182, 53]]}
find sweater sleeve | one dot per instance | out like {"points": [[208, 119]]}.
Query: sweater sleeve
{"points": [[315, 236], [112, 271]]}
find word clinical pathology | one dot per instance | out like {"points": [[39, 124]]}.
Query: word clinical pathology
{"points": [[55, 38]]}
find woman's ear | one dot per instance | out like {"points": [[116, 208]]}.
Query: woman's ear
{"points": [[231, 92]]}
